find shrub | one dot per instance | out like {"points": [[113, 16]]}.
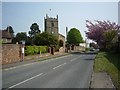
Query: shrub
{"points": [[43, 49], [31, 50]]}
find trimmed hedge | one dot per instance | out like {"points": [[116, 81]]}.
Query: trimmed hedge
{"points": [[32, 50]]}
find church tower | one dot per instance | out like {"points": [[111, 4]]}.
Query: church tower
{"points": [[51, 25]]}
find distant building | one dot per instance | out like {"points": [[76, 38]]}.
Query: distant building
{"points": [[6, 36], [51, 26]]}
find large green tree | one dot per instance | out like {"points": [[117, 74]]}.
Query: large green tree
{"points": [[74, 37], [19, 37], [45, 39], [34, 29]]}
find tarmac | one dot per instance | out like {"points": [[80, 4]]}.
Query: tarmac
{"points": [[99, 80]]}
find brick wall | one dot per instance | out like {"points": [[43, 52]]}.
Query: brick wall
{"points": [[10, 53]]}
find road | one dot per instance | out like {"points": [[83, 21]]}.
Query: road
{"points": [[71, 71]]}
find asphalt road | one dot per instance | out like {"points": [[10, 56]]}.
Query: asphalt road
{"points": [[71, 71]]}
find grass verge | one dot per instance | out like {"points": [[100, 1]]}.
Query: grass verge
{"points": [[108, 62]]}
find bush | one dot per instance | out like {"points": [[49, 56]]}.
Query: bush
{"points": [[32, 50], [29, 50]]}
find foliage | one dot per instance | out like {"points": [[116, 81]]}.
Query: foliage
{"points": [[10, 29], [74, 37], [19, 37], [110, 38], [1, 41], [32, 50], [102, 31], [45, 39], [34, 29]]}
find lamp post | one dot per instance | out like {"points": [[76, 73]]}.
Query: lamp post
{"points": [[22, 49]]}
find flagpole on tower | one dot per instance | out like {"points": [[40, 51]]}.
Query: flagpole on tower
{"points": [[50, 12]]}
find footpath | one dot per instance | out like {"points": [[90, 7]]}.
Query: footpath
{"points": [[101, 80]]}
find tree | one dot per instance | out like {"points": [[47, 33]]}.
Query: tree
{"points": [[20, 36], [110, 38], [102, 32], [45, 39], [34, 29], [10, 30], [74, 37]]}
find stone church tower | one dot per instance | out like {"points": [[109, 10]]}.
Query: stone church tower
{"points": [[51, 25]]}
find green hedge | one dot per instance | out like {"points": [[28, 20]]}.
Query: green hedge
{"points": [[32, 50]]}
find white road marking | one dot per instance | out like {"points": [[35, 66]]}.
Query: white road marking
{"points": [[59, 65], [10, 68], [36, 62], [75, 59], [25, 81]]}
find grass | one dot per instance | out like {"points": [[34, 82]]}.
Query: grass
{"points": [[108, 62]]}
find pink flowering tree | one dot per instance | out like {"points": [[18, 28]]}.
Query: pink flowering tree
{"points": [[102, 32]]}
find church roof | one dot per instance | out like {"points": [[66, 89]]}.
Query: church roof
{"points": [[61, 35]]}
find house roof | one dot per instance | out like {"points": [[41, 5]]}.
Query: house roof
{"points": [[5, 34]]}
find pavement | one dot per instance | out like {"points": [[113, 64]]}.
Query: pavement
{"points": [[101, 80]]}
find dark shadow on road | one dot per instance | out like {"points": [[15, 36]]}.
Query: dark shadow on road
{"points": [[88, 59], [83, 52]]}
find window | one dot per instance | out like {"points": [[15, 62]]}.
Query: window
{"points": [[52, 24]]}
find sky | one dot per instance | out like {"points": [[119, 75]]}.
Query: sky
{"points": [[21, 15]]}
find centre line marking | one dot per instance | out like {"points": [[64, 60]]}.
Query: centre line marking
{"points": [[75, 59], [59, 65], [25, 81]]}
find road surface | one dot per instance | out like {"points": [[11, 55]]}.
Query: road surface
{"points": [[71, 71]]}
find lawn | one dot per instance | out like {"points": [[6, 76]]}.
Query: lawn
{"points": [[108, 62]]}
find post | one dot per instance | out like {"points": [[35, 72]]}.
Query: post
{"points": [[22, 53], [23, 50]]}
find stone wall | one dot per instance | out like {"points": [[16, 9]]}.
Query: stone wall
{"points": [[79, 48], [62, 50], [10, 53]]}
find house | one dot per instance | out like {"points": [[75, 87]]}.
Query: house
{"points": [[6, 36]]}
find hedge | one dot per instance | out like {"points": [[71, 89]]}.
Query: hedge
{"points": [[32, 50]]}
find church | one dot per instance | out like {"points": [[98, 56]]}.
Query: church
{"points": [[52, 27]]}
